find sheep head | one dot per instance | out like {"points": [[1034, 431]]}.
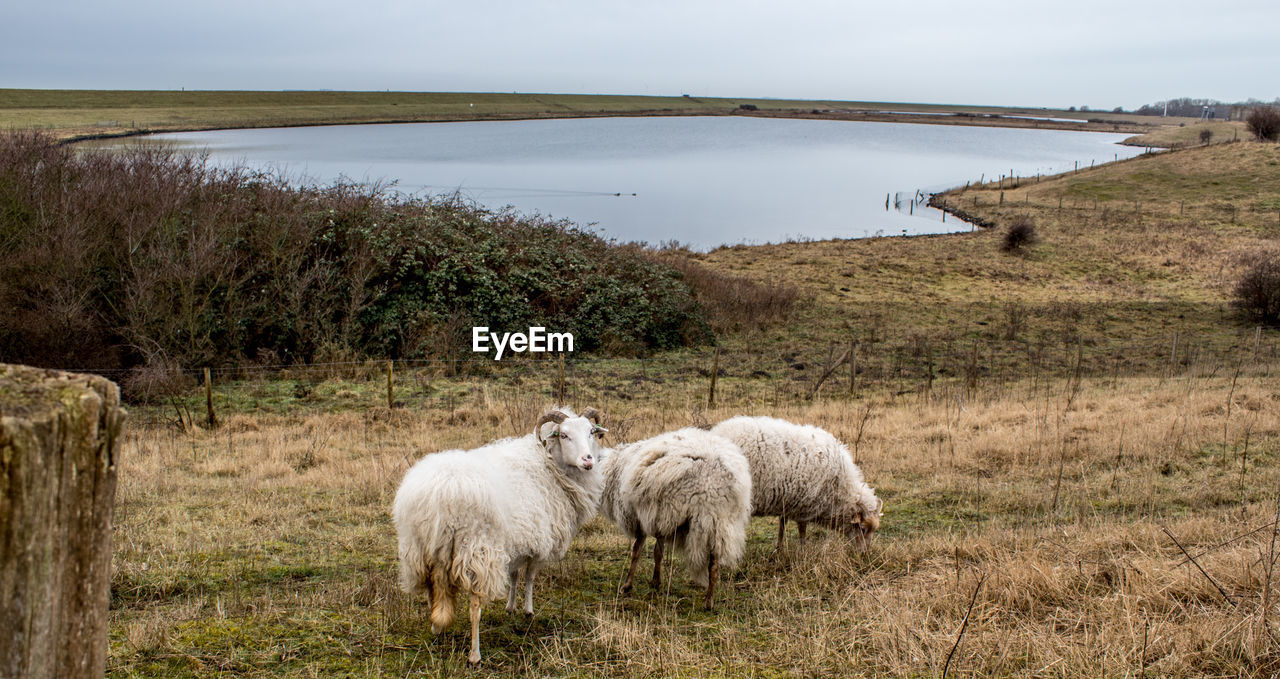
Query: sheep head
{"points": [[864, 524], [571, 440]]}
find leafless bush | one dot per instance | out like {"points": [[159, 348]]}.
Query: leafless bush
{"points": [[733, 302], [1021, 233], [1264, 122], [1257, 293], [155, 382]]}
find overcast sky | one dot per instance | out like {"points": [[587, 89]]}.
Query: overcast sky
{"points": [[1087, 52]]}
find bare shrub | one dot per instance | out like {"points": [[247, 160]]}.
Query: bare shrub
{"points": [[1206, 135], [732, 302], [1264, 122], [156, 382], [1021, 233], [1257, 293], [112, 260]]}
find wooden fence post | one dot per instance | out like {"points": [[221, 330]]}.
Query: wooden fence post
{"points": [[59, 435], [391, 402], [211, 419], [560, 382], [853, 366], [715, 371]]}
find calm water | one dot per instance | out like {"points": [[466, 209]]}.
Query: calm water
{"points": [[703, 181]]}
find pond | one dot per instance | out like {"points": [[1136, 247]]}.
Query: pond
{"points": [[702, 181]]}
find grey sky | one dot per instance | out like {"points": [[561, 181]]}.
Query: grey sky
{"points": [[1100, 54]]}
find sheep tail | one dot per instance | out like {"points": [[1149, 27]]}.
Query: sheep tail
{"points": [[710, 536]]}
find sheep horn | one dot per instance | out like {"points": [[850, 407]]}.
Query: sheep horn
{"points": [[592, 414], [550, 416]]}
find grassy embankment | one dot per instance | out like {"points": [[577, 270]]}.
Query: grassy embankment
{"points": [[1024, 416], [71, 114]]}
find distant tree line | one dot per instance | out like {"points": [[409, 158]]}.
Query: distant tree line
{"points": [[1190, 107]]}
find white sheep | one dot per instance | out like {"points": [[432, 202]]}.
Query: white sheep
{"points": [[479, 520], [804, 473], [688, 487]]}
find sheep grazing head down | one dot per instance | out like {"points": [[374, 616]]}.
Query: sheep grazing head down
{"points": [[571, 440], [864, 525]]}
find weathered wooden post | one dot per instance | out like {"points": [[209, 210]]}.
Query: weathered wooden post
{"points": [[211, 419], [560, 381], [715, 371], [59, 444], [391, 400]]}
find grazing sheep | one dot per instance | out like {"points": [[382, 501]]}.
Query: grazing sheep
{"points": [[688, 487], [479, 520], [803, 473]]}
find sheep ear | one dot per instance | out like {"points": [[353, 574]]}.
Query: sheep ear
{"points": [[554, 417]]}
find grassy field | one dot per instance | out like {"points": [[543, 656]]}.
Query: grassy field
{"points": [[75, 114], [1035, 422], [264, 548]]}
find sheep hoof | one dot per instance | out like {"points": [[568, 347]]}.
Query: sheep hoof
{"points": [[436, 629], [474, 658], [528, 612], [512, 608], [625, 589]]}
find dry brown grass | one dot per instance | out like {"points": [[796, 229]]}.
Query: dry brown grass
{"points": [[264, 548]]}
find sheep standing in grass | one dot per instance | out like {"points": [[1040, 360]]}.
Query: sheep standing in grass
{"points": [[687, 487], [804, 473], [479, 520]]}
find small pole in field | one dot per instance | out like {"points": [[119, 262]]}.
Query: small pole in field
{"points": [[208, 399], [715, 371], [560, 382], [1257, 342], [390, 386], [853, 366]]}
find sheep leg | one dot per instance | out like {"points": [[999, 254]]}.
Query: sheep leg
{"points": [[657, 562], [636, 548], [713, 574], [800, 526], [530, 571], [516, 572], [782, 531], [475, 629]]}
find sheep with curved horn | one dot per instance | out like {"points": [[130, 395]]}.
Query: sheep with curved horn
{"points": [[480, 521]]}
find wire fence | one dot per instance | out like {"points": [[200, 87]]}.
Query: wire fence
{"points": [[965, 369]]}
